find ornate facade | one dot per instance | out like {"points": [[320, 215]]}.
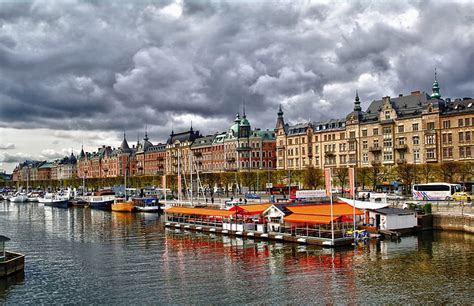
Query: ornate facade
{"points": [[418, 128]]}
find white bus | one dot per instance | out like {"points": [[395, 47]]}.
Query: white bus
{"points": [[434, 191]]}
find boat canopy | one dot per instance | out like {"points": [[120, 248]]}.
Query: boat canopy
{"points": [[339, 209], [251, 209], [199, 211]]}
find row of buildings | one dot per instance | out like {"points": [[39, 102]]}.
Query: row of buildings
{"points": [[417, 128]]}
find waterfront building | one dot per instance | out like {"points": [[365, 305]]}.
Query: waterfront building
{"points": [[150, 158], [178, 151], [108, 162], [415, 129]]}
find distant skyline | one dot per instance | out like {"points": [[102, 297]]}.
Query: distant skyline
{"points": [[82, 72]]}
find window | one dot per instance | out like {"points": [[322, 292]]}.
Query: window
{"points": [[387, 142], [415, 126], [364, 133], [342, 136], [468, 136], [315, 138], [387, 115], [401, 128], [365, 144], [460, 122], [325, 137], [365, 158], [461, 137], [446, 124], [302, 140], [401, 140], [342, 159], [416, 155], [430, 154], [387, 130], [467, 121], [387, 155], [302, 151], [468, 152], [444, 138], [450, 138], [290, 141], [375, 131], [461, 152], [352, 146], [376, 143], [430, 139], [416, 140], [430, 126], [352, 135], [296, 141]]}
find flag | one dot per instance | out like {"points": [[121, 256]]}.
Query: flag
{"points": [[327, 179], [351, 181]]}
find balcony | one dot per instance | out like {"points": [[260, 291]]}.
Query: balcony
{"points": [[376, 163], [401, 147], [231, 160], [401, 161], [375, 149], [330, 153], [244, 148]]}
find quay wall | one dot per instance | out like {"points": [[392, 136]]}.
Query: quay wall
{"points": [[454, 222]]}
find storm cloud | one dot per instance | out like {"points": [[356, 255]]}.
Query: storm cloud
{"points": [[115, 65]]}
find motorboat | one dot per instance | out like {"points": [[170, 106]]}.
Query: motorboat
{"points": [[102, 200], [147, 205], [123, 205], [19, 198], [364, 204], [54, 200]]}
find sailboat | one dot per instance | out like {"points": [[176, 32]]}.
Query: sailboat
{"points": [[124, 205], [22, 197]]}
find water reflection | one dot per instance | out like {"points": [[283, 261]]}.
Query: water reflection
{"points": [[89, 256]]}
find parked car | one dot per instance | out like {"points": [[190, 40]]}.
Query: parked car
{"points": [[252, 196], [462, 196]]}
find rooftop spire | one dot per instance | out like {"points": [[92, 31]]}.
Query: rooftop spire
{"points": [[280, 111], [435, 88], [146, 133], [243, 110], [357, 102]]}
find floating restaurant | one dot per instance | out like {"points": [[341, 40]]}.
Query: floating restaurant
{"points": [[309, 224]]}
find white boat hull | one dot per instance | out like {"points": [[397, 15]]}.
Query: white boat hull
{"points": [[19, 199]]}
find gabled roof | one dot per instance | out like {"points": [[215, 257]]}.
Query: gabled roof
{"points": [[203, 141], [183, 136], [405, 106]]}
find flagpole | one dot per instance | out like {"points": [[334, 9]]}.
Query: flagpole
{"points": [[354, 200], [327, 178]]}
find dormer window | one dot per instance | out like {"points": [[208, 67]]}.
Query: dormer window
{"points": [[387, 115]]}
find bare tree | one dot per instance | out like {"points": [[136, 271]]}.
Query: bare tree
{"points": [[312, 178]]}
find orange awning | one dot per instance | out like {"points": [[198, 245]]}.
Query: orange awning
{"points": [[251, 209], [310, 219], [200, 211], [339, 209]]}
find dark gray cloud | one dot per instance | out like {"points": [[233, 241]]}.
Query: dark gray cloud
{"points": [[115, 65]]}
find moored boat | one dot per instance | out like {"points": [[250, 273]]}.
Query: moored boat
{"points": [[79, 202], [19, 198], [123, 205], [147, 204]]}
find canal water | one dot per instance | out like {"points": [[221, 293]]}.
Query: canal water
{"points": [[79, 255]]}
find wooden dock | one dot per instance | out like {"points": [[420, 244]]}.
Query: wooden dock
{"points": [[13, 263], [266, 236]]}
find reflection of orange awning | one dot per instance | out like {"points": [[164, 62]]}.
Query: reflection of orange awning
{"points": [[253, 209], [339, 209], [311, 219], [199, 211]]}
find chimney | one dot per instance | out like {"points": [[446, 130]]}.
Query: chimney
{"points": [[386, 99], [416, 93], [400, 95]]}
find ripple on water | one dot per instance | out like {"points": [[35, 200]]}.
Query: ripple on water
{"points": [[87, 256]]}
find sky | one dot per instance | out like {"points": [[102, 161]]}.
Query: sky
{"points": [[76, 73]]}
